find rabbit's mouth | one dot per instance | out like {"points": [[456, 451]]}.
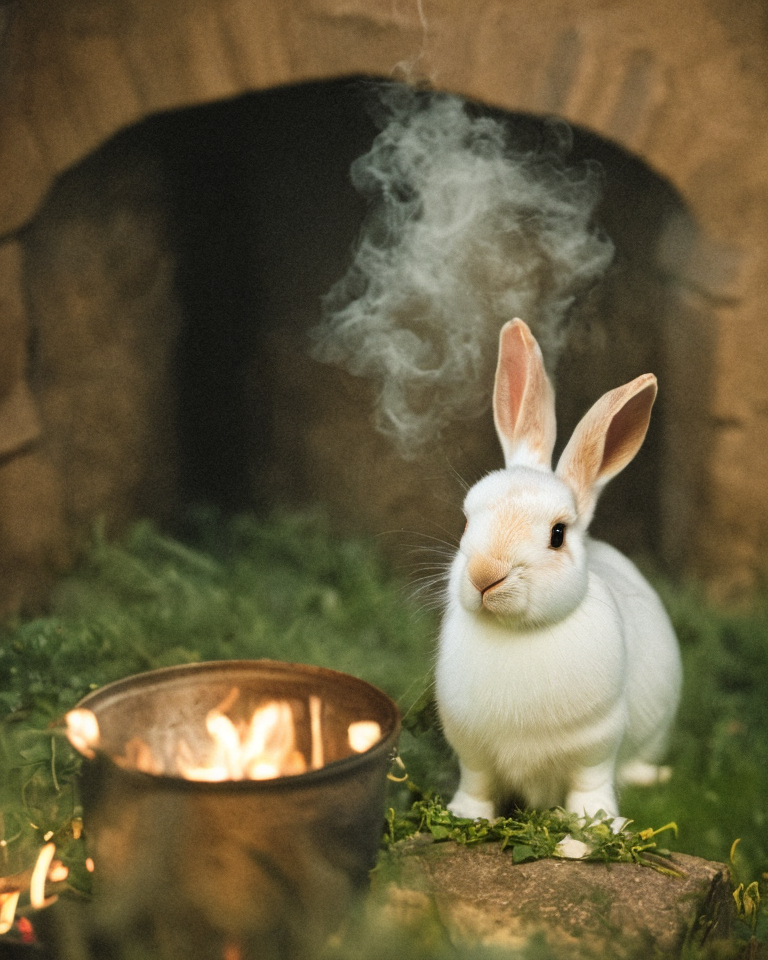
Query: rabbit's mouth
{"points": [[495, 588], [507, 597]]}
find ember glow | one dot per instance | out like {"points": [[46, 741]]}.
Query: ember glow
{"points": [[46, 869], [363, 734], [315, 708], [260, 749], [8, 903], [39, 875], [83, 731]]}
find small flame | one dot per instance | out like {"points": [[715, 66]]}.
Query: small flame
{"points": [[39, 875], [261, 750], [315, 721], [59, 872], [138, 755], [83, 731], [8, 903], [46, 868], [363, 734]]}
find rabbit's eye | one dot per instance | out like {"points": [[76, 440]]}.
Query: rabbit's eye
{"points": [[557, 537]]}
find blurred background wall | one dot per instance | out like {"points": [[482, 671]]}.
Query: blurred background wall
{"points": [[175, 201]]}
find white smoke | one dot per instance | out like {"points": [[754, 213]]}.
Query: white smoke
{"points": [[465, 231]]}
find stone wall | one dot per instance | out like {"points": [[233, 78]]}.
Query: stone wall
{"points": [[99, 286]]}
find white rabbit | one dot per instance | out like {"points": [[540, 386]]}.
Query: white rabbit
{"points": [[558, 671]]}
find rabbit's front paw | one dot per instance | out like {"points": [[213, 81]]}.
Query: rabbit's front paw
{"points": [[472, 808]]}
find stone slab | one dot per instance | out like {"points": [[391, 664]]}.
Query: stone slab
{"points": [[585, 909]]}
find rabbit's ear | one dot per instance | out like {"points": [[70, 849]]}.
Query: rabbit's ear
{"points": [[523, 399], [605, 440]]}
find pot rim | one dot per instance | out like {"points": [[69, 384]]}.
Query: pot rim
{"points": [[385, 745]]}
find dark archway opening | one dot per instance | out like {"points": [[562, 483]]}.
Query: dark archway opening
{"points": [[253, 213], [264, 216]]}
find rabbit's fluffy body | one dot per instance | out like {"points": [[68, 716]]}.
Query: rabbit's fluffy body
{"points": [[558, 671]]}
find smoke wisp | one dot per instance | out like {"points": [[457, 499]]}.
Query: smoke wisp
{"points": [[465, 230]]}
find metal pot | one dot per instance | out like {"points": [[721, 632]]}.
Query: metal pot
{"points": [[264, 868]]}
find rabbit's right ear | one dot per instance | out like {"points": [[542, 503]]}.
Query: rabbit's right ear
{"points": [[523, 400], [605, 440]]}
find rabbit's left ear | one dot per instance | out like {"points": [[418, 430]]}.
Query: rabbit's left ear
{"points": [[523, 400], [605, 441]]}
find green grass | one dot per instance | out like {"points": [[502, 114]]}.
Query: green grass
{"points": [[282, 589], [719, 753], [286, 588]]}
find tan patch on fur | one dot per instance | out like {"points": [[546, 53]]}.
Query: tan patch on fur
{"points": [[495, 564], [513, 527]]}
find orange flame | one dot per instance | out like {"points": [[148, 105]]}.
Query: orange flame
{"points": [[46, 868], [138, 755], [8, 903], [83, 731], [261, 749], [39, 875], [363, 734], [58, 872]]}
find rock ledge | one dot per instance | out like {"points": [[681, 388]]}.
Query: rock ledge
{"points": [[586, 909]]}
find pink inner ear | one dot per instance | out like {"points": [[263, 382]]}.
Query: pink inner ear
{"points": [[511, 383], [627, 431], [523, 401]]}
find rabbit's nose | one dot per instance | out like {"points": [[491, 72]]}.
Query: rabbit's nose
{"points": [[485, 572]]}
